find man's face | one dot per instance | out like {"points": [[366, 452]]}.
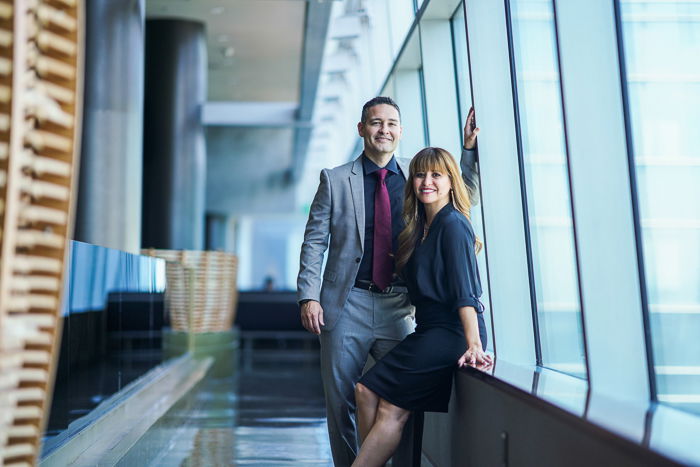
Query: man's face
{"points": [[381, 130]]}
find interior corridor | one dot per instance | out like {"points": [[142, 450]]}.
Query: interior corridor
{"points": [[259, 408]]}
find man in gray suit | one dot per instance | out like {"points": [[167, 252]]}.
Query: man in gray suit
{"points": [[360, 307]]}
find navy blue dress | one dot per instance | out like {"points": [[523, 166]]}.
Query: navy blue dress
{"points": [[442, 276]]}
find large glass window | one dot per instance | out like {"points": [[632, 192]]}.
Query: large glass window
{"points": [[459, 40], [439, 83], [408, 91], [400, 17], [547, 186], [405, 86], [661, 43]]}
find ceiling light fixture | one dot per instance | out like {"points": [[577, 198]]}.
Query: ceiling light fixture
{"points": [[228, 51], [217, 10]]}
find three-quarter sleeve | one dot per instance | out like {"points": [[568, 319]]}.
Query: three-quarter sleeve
{"points": [[461, 274]]}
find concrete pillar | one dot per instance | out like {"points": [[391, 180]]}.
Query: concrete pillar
{"points": [[174, 159], [109, 198], [216, 232]]}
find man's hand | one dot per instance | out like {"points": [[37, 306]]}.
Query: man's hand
{"points": [[312, 316], [470, 130]]}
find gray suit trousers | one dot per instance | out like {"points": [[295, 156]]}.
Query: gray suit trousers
{"points": [[370, 324]]}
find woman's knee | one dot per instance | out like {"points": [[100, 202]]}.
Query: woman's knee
{"points": [[364, 394], [390, 413]]}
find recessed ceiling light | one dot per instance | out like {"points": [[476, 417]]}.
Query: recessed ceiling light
{"points": [[228, 51], [217, 10]]}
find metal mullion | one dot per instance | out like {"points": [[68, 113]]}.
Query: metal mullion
{"points": [[571, 195], [635, 202], [481, 204], [523, 189], [424, 104], [456, 76], [421, 78]]}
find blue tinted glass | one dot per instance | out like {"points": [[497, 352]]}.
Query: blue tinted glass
{"points": [[399, 17], [408, 92], [661, 43], [547, 186], [111, 333], [676, 433], [562, 390]]}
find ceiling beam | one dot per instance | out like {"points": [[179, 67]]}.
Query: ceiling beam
{"points": [[315, 31], [252, 114]]}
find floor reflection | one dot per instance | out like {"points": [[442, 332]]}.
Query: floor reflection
{"points": [[270, 412]]}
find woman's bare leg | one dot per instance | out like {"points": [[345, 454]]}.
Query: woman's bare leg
{"points": [[367, 404], [384, 437]]}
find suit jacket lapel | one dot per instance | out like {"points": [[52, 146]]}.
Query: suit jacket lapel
{"points": [[357, 187]]}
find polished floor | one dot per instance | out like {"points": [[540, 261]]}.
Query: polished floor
{"points": [[263, 408]]}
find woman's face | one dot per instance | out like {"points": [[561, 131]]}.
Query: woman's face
{"points": [[432, 187]]}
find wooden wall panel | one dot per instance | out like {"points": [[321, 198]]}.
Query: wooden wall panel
{"points": [[40, 113]]}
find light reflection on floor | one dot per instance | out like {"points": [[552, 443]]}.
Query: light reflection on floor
{"points": [[270, 413]]}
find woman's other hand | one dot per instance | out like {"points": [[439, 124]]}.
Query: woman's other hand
{"points": [[470, 130]]}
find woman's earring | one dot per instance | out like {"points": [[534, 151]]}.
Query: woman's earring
{"points": [[452, 195]]}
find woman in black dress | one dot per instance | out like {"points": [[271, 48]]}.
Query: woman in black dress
{"points": [[437, 258]]}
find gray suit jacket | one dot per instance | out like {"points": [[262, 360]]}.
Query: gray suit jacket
{"points": [[337, 223]]}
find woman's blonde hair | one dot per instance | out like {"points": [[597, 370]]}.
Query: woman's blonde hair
{"points": [[429, 160]]}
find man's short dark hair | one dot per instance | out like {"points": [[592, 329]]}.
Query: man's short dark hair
{"points": [[378, 101]]}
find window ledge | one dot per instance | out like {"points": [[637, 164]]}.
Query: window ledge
{"points": [[662, 430]]}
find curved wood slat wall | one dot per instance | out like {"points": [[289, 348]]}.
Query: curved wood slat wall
{"points": [[40, 113]]}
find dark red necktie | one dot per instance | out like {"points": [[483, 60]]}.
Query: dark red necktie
{"points": [[382, 262]]}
